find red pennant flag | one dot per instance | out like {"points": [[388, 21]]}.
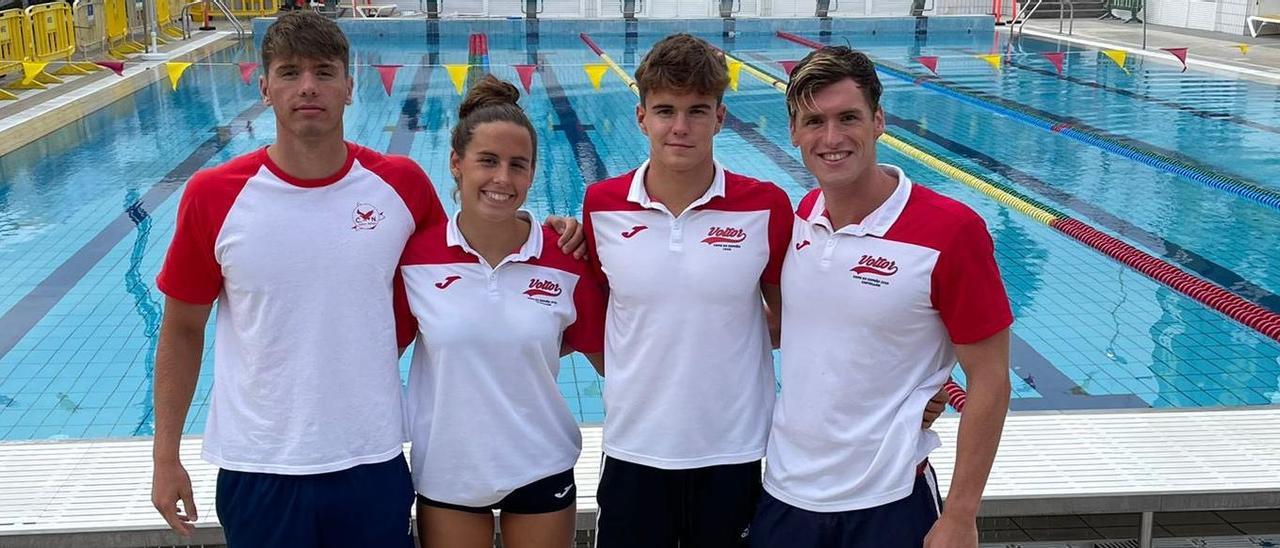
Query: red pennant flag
{"points": [[115, 66], [388, 74], [526, 75], [929, 61], [788, 66], [1056, 58], [1181, 54], [246, 70]]}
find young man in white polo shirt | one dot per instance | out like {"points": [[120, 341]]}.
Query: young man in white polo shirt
{"points": [[686, 249], [886, 285], [299, 244]]}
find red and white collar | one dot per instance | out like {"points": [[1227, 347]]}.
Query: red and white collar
{"points": [[638, 195], [879, 221], [531, 249]]}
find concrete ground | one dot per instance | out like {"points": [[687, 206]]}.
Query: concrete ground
{"points": [[1213, 51]]}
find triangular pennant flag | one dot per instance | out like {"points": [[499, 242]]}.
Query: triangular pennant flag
{"points": [[595, 72], [526, 75], [929, 61], [115, 66], [993, 60], [1056, 58], [1181, 54], [735, 74], [31, 70], [388, 75], [1244, 49], [175, 69], [458, 75], [788, 66], [1116, 55], [246, 70]]}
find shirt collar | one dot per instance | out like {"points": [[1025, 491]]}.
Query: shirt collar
{"points": [[531, 249], [639, 195], [879, 221]]}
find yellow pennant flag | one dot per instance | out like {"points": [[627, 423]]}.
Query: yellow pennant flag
{"points": [[175, 70], [993, 59], [458, 74], [1118, 56], [596, 73], [31, 70], [735, 71], [1244, 48]]}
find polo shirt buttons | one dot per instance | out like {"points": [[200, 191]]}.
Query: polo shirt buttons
{"points": [[828, 250]]}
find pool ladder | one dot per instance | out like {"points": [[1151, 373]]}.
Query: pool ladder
{"points": [[1015, 29], [222, 7]]}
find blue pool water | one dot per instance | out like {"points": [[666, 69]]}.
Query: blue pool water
{"points": [[87, 212]]}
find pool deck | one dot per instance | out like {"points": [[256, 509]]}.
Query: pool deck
{"points": [[37, 113], [97, 492], [1210, 51]]}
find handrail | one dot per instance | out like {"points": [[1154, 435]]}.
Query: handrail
{"points": [[1018, 24], [231, 18], [1071, 25], [186, 18]]}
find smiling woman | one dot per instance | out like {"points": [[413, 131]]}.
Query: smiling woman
{"points": [[495, 302]]}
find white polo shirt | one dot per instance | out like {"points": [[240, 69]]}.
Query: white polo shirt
{"points": [[485, 413], [689, 376], [306, 379], [870, 314]]}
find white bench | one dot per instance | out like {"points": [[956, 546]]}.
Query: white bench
{"points": [[97, 493], [1257, 21]]}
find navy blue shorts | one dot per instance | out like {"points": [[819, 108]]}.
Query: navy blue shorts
{"points": [[366, 505], [899, 524], [550, 494], [645, 507]]}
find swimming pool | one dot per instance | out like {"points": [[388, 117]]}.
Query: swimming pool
{"points": [[87, 211]]}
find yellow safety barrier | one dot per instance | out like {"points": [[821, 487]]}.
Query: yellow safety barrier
{"points": [[15, 48], [119, 41], [90, 20], [166, 16], [175, 18], [53, 37], [240, 8]]}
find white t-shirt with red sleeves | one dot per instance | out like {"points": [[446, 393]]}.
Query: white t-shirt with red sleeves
{"points": [[689, 374], [306, 379], [485, 413], [870, 314]]}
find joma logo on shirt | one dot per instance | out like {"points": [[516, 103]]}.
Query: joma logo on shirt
{"points": [[542, 288], [725, 235], [880, 266]]}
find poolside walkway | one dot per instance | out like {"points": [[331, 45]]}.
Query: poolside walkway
{"points": [[1054, 464], [1212, 51]]}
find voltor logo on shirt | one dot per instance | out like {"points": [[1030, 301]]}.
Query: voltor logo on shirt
{"points": [[725, 237], [366, 217], [634, 230], [879, 267], [543, 292]]}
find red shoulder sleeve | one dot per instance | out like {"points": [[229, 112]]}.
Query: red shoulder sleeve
{"points": [[967, 290], [191, 272]]}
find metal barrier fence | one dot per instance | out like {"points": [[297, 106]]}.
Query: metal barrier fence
{"points": [[89, 19], [120, 40], [243, 9], [53, 37]]}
